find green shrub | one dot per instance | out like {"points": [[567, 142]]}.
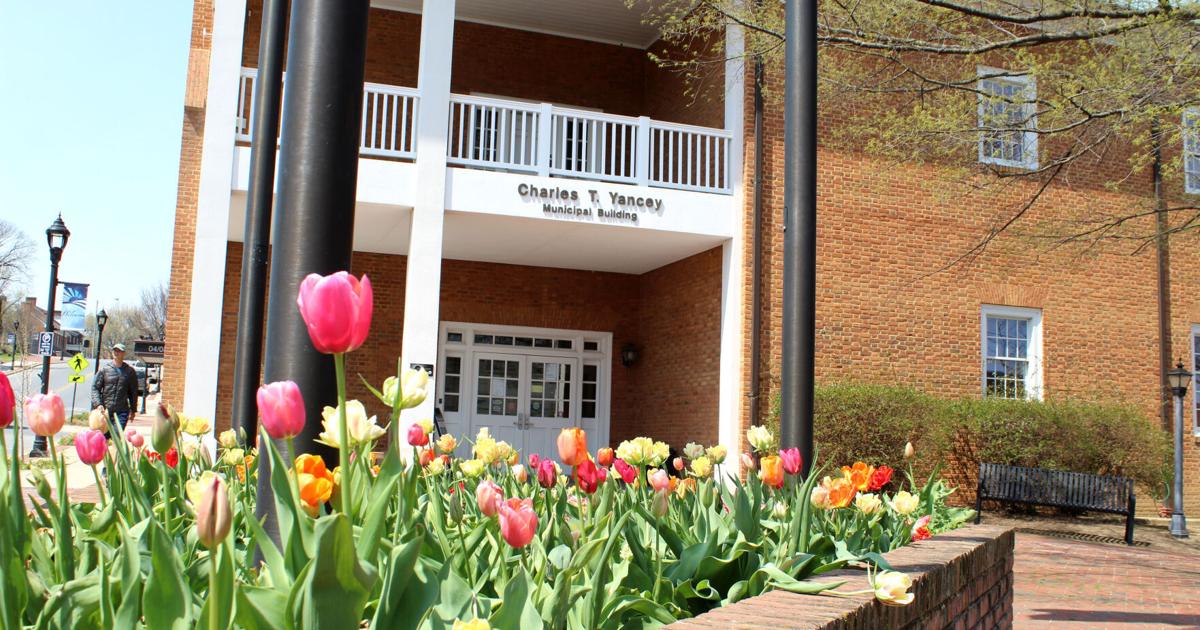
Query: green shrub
{"points": [[872, 423]]}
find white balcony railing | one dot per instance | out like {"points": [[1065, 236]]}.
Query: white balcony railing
{"points": [[389, 116], [542, 139]]}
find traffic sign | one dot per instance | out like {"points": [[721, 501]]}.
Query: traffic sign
{"points": [[12, 338], [78, 363], [77, 377], [46, 343]]}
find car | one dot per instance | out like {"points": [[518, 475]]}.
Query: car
{"points": [[139, 366]]}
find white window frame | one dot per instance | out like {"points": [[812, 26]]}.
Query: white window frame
{"points": [[1029, 140], [1189, 126], [1033, 376], [1195, 381]]}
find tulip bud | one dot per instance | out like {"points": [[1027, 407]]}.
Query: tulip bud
{"points": [[908, 450], [417, 435], [134, 438], [779, 511], [162, 435], [456, 506], [228, 439], [98, 420], [605, 457], [8, 402], [662, 503], [677, 464], [488, 496], [748, 462], [90, 446], [519, 473], [213, 516]]}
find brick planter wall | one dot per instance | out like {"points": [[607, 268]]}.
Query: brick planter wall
{"points": [[962, 580]]}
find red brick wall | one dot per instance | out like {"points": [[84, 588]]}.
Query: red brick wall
{"points": [[191, 144], [671, 394]]}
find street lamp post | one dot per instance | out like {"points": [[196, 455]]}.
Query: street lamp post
{"points": [[101, 320], [1179, 378], [16, 340], [56, 237]]}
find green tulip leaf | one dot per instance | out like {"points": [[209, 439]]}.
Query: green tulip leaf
{"points": [[399, 575], [221, 601], [167, 597], [336, 586], [261, 608]]}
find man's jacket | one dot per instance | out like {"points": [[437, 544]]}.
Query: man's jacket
{"points": [[115, 388]]}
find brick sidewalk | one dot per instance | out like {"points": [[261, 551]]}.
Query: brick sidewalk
{"points": [[1073, 584]]}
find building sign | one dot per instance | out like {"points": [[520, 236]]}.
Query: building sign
{"points": [[74, 306], [590, 204], [150, 351]]}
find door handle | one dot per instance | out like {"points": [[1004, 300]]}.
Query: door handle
{"points": [[521, 421]]}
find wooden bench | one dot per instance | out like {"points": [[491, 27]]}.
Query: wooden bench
{"points": [[1056, 488]]}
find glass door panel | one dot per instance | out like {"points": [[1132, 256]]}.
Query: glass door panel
{"points": [[496, 396], [550, 406]]}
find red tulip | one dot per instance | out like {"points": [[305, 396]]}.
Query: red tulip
{"points": [[518, 522], [489, 496], [605, 457], [8, 402], [572, 446], [282, 409], [426, 456], [792, 462], [547, 473], [628, 473], [920, 530], [44, 413], [588, 477], [171, 457], [417, 436], [879, 478], [90, 446], [337, 311]]}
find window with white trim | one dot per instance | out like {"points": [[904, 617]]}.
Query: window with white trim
{"points": [[1191, 151], [1196, 380], [1007, 119], [1012, 352]]}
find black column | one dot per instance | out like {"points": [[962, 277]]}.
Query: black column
{"points": [[253, 295], [800, 227], [313, 221]]}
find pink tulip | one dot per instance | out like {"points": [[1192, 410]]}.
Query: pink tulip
{"points": [[518, 522], [213, 517], [282, 409], [659, 479], [547, 473], [628, 473], [44, 413], [134, 438], [337, 311], [8, 402], [90, 446], [489, 496], [791, 460], [534, 460], [417, 436], [677, 464]]}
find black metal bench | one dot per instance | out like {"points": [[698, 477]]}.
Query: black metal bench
{"points": [[1056, 488]]}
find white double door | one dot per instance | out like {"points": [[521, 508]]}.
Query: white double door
{"points": [[525, 400]]}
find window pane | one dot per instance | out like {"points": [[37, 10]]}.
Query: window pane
{"points": [[451, 403], [453, 365], [589, 410], [589, 372]]}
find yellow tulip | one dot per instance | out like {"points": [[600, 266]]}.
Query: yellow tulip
{"points": [[905, 503]]}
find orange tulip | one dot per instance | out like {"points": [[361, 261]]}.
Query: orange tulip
{"points": [[859, 475], [314, 481], [605, 456], [572, 446], [840, 491], [770, 471]]}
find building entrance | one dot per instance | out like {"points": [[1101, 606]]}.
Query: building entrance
{"points": [[524, 384]]}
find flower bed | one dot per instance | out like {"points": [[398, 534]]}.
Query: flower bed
{"points": [[418, 537]]}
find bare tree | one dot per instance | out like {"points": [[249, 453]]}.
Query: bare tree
{"points": [[150, 316], [16, 252], [903, 80]]}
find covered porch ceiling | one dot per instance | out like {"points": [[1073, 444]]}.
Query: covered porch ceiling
{"points": [[608, 21], [509, 240]]}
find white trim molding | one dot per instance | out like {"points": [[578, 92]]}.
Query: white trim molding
{"points": [[1033, 380]]}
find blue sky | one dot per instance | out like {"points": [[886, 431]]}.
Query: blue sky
{"points": [[91, 107]]}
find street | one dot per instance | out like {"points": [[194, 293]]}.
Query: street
{"points": [[27, 383]]}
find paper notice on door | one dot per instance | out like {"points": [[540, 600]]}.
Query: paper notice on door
{"points": [[551, 371], [498, 385]]}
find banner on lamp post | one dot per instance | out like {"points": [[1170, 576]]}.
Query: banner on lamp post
{"points": [[74, 306]]}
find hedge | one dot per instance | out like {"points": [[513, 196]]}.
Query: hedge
{"points": [[873, 422]]}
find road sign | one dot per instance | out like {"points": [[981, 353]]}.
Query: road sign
{"points": [[150, 351], [46, 343], [77, 377], [12, 338], [78, 363]]}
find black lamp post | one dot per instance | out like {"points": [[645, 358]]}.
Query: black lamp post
{"points": [[1179, 379], [16, 341], [101, 320], [56, 237]]}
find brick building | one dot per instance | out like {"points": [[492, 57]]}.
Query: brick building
{"points": [[536, 196]]}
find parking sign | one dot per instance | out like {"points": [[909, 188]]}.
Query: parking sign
{"points": [[46, 344]]}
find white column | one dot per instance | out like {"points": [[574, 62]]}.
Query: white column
{"points": [[729, 418], [424, 272], [212, 211]]}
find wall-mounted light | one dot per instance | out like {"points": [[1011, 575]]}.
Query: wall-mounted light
{"points": [[629, 354]]}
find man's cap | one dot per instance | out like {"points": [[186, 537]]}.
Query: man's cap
{"points": [[119, 346]]}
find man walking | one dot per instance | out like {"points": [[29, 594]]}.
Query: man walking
{"points": [[116, 388]]}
